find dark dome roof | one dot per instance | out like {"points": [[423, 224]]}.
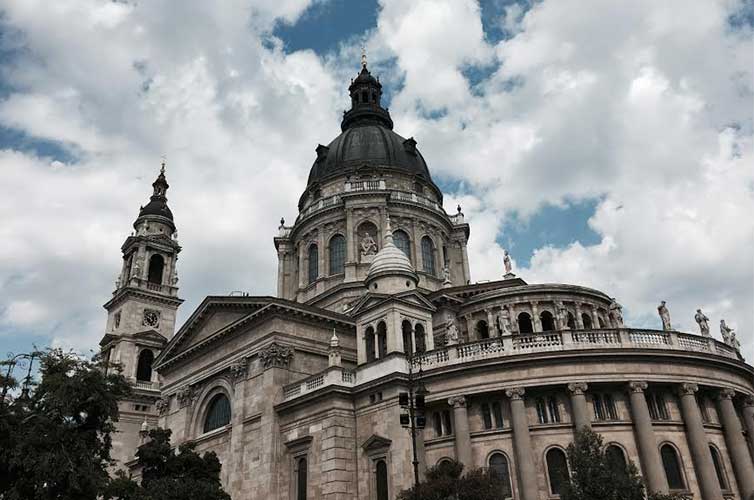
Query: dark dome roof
{"points": [[368, 145], [158, 202], [156, 207], [367, 138]]}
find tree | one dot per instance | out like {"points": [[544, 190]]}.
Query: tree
{"points": [[56, 437], [167, 475], [446, 481], [596, 474]]}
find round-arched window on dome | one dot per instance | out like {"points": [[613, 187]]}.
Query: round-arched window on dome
{"points": [[402, 241], [218, 413], [428, 255]]}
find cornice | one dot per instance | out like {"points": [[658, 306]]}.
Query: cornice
{"points": [[130, 291]]}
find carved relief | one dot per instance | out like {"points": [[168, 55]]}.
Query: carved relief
{"points": [[239, 369], [162, 405], [637, 386], [515, 393], [578, 388], [457, 401], [276, 355], [687, 389], [186, 396]]}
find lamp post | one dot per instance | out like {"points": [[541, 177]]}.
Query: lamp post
{"points": [[11, 362], [415, 421]]}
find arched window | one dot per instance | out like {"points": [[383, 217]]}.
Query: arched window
{"points": [[156, 265], [218, 413], [144, 365], [482, 330], [587, 320], [337, 254], [719, 468], [571, 321], [382, 339], [498, 465], [437, 423], [313, 257], [380, 479], [402, 241], [672, 466], [548, 322], [369, 340], [428, 255], [616, 460], [419, 339], [557, 470], [524, 323], [601, 321], [301, 479], [406, 333]]}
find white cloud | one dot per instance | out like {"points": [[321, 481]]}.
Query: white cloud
{"points": [[644, 106]]}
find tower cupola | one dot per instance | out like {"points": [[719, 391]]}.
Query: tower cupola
{"points": [[366, 101], [157, 209], [391, 270]]}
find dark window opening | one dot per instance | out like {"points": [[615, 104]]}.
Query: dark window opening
{"points": [[382, 339], [407, 341], [616, 460], [369, 340], [557, 470], [482, 330], [548, 322], [658, 410], [337, 254], [402, 241], [672, 466], [313, 263], [381, 480], [144, 366], [419, 338], [428, 255], [498, 466], [587, 320], [524, 323], [218, 413], [301, 479], [571, 321], [156, 266], [719, 470]]}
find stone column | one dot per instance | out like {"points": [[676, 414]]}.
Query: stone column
{"points": [[649, 454], [465, 257], [238, 371], [578, 405], [461, 425], [535, 322], [527, 474], [302, 271], [579, 320], [471, 333], [491, 326], [739, 455], [595, 318], [749, 420], [698, 444]]}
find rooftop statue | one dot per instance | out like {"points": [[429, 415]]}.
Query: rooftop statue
{"points": [[616, 312], [662, 309], [703, 322]]}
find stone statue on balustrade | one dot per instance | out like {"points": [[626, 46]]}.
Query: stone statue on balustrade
{"points": [[563, 317], [508, 266], [662, 309], [368, 245], [703, 322], [451, 332], [616, 313], [725, 331], [504, 320]]}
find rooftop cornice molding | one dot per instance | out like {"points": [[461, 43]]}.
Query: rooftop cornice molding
{"points": [[129, 291]]}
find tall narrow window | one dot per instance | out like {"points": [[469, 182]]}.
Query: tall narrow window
{"points": [[218, 413], [447, 423], [144, 366], [656, 404], [616, 460], [587, 320], [482, 330], [428, 255], [420, 342], [437, 423], [542, 415], [486, 416], [719, 469], [301, 479], [369, 343], [381, 480], [156, 265], [401, 240], [604, 407], [672, 466], [524, 323], [407, 340], [548, 322], [313, 255], [497, 413], [337, 254], [553, 409], [571, 321], [498, 465], [701, 403], [382, 339], [557, 470]]}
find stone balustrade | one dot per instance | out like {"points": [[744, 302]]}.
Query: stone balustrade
{"points": [[511, 345], [141, 384]]}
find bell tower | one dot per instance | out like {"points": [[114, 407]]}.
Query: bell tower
{"points": [[141, 314]]}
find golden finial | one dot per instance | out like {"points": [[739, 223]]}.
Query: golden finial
{"points": [[162, 165], [363, 56]]}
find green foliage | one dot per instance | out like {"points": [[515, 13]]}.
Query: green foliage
{"points": [[446, 481], [594, 476], [56, 442], [167, 475], [673, 496]]}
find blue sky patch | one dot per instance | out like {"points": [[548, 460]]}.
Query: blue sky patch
{"points": [[18, 140]]}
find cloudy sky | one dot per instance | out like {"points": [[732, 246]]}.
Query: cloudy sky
{"points": [[603, 143]]}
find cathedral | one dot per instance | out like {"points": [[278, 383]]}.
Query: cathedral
{"points": [[379, 356]]}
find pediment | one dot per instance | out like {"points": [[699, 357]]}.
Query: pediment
{"points": [[411, 298], [152, 335], [376, 443]]}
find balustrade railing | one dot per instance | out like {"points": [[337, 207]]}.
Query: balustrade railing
{"points": [[511, 345]]}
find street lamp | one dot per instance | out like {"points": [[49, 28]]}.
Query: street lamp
{"points": [[413, 418]]}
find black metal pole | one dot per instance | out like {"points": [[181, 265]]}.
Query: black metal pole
{"points": [[412, 417]]}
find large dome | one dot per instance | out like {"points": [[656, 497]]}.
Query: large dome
{"points": [[368, 145], [367, 139]]}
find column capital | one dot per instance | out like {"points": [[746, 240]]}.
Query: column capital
{"points": [[457, 401], [637, 386], [726, 393], [577, 388], [515, 393], [687, 389]]}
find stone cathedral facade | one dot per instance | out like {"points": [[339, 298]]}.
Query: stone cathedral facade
{"points": [[298, 393]]}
